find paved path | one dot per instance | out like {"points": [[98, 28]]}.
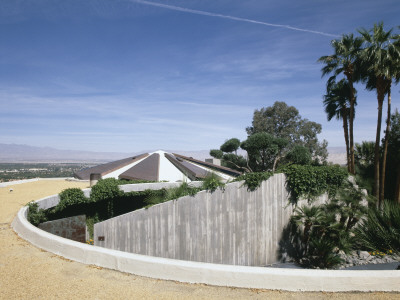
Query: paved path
{"points": [[27, 272]]}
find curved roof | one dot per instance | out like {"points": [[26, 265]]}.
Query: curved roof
{"points": [[158, 166]]}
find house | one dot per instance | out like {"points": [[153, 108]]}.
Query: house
{"points": [[158, 166]]}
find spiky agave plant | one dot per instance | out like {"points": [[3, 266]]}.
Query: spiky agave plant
{"points": [[211, 182], [381, 229]]}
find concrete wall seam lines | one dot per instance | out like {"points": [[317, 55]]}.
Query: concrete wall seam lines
{"points": [[206, 273], [230, 226], [214, 274]]}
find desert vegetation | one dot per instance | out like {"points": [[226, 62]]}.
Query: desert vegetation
{"points": [[280, 140], [19, 171]]}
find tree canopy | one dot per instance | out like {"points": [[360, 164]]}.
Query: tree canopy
{"points": [[230, 145], [345, 60], [337, 104], [278, 135], [283, 121], [264, 150]]}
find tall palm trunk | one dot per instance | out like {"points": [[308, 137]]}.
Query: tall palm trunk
{"points": [[397, 192], [351, 119], [382, 179], [381, 97], [349, 75], [346, 137]]}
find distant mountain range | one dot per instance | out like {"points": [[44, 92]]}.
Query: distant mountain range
{"points": [[14, 153], [26, 153]]}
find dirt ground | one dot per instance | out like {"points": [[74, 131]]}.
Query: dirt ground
{"points": [[27, 272]]}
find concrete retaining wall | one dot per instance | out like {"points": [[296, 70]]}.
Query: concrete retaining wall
{"points": [[213, 274], [73, 228], [233, 226]]}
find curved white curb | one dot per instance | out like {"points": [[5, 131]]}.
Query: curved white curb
{"points": [[213, 274]]}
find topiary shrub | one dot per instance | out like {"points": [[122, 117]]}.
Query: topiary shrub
{"points": [[69, 197], [106, 190], [35, 215], [253, 180]]}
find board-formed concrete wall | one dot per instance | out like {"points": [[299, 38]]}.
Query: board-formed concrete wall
{"points": [[233, 226]]}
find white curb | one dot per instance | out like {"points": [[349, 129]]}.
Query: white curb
{"points": [[212, 274]]}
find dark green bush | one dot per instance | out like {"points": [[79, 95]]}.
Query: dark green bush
{"points": [[159, 196], [105, 189], [71, 196], [322, 231], [253, 180], [212, 182], [216, 153], [90, 221], [380, 230], [312, 181], [36, 215], [299, 155], [321, 254], [154, 197]]}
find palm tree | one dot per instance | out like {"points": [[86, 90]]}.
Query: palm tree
{"points": [[381, 58], [345, 60], [309, 217], [337, 104], [396, 77]]}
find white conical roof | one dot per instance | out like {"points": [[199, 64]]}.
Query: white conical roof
{"points": [[158, 166]]}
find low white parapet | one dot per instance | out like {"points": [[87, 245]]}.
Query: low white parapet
{"points": [[206, 273], [155, 186], [8, 183]]}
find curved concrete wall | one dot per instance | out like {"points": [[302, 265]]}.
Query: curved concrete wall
{"points": [[213, 274], [231, 226]]}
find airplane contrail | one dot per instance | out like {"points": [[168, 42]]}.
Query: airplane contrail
{"points": [[205, 13]]}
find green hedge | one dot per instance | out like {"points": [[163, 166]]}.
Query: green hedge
{"points": [[312, 181], [254, 180], [36, 215], [69, 197]]}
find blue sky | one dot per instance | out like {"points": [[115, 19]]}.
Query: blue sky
{"points": [[133, 75]]}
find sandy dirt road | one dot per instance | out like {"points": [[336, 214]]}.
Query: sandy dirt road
{"points": [[27, 272]]}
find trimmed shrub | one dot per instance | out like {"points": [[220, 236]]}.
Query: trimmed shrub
{"points": [[36, 215], [253, 180], [69, 197], [105, 189], [312, 181]]}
